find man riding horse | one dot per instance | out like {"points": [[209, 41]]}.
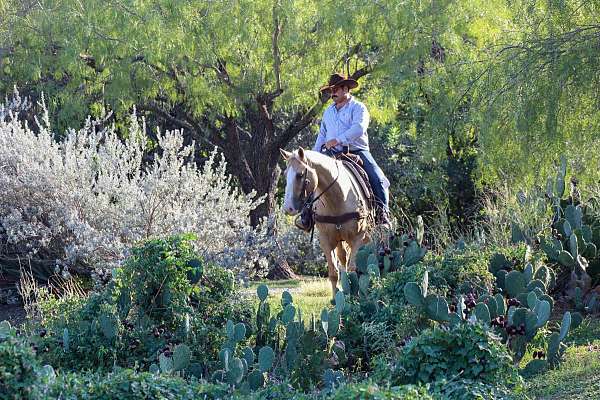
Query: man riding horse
{"points": [[344, 128], [325, 193]]}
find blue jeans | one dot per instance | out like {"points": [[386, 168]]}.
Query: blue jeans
{"points": [[376, 178]]}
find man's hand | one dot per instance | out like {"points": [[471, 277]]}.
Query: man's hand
{"points": [[331, 143]]}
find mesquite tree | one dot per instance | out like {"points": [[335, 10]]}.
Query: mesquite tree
{"points": [[239, 75]]}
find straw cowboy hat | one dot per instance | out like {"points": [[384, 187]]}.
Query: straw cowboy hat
{"points": [[336, 80]]}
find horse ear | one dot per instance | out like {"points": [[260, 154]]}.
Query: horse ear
{"points": [[301, 154], [285, 154]]}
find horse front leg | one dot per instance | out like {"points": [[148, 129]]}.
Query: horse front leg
{"points": [[332, 271], [342, 256]]}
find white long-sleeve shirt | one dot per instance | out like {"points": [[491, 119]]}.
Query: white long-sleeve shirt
{"points": [[348, 125]]}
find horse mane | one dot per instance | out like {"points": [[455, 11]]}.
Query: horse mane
{"points": [[311, 155]]}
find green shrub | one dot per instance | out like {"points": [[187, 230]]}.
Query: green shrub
{"points": [[466, 389], [392, 285], [280, 391], [374, 323], [129, 385], [360, 391], [468, 351], [159, 277], [163, 296], [18, 365], [462, 270]]}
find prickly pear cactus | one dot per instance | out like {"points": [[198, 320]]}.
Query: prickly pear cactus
{"points": [[181, 357], [108, 325], [266, 355]]}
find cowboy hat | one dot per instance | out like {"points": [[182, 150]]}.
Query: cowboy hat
{"points": [[336, 80]]}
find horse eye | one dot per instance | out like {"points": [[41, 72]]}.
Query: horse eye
{"points": [[299, 175]]}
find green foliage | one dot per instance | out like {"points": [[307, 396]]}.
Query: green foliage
{"points": [[375, 261], [467, 350], [156, 276], [150, 313], [375, 392], [129, 385], [463, 270], [473, 389], [18, 365], [549, 68]]}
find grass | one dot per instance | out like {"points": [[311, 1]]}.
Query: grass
{"points": [[310, 294], [578, 377]]}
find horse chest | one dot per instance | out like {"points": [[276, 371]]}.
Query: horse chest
{"points": [[342, 232]]}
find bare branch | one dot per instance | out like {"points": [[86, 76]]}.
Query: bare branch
{"points": [[237, 156], [299, 122], [359, 73]]}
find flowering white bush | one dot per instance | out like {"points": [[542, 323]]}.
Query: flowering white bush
{"points": [[86, 199], [303, 255]]}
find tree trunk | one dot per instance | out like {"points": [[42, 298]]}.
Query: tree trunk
{"points": [[461, 165], [255, 162]]}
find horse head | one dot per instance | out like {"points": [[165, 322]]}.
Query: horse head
{"points": [[301, 180]]}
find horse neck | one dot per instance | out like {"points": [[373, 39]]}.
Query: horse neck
{"points": [[328, 170]]}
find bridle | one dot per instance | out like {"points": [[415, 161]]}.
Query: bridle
{"points": [[307, 214]]}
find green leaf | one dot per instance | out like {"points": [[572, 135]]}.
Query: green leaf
{"points": [[266, 355], [515, 283], [553, 346], [573, 246], [334, 321], [263, 292], [325, 320], [482, 313], [531, 300], [542, 311], [413, 294], [534, 367], [437, 308], [345, 281], [340, 302], [166, 363], [229, 327], [286, 299], [249, 355], [235, 374], [565, 326], [108, 325], [288, 314], [181, 357], [256, 380], [500, 305], [565, 258]]}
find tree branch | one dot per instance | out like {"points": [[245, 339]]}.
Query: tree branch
{"points": [[299, 122], [237, 156], [194, 128], [359, 73]]}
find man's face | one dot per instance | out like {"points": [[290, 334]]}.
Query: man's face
{"points": [[339, 94]]}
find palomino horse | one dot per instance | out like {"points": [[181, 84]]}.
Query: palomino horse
{"points": [[340, 209]]}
